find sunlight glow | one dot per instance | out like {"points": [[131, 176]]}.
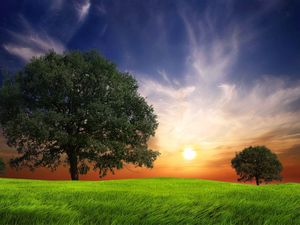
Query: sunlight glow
{"points": [[189, 154]]}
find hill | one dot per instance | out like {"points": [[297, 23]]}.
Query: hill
{"points": [[147, 201]]}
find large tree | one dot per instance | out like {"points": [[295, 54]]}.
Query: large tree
{"points": [[257, 163], [76, 109]]}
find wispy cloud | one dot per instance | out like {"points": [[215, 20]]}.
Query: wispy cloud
{"points": [[100, 7], [28, 42], [207, 109], [227, 115], [212, 52], [83, 9], [23, 52], [56, 4], [31, 43]]}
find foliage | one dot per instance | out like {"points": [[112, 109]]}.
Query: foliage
{"points": [[76, 109], [257, 163], [2, 166], [147, 201]]}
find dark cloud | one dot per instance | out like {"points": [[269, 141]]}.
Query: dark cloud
{"points": [[288, 132], [291, 154], [293, 106]]}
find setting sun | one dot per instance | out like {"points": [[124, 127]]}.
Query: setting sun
{"points": [[189, 154]]}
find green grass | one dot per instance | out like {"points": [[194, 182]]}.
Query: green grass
{"points": [[147, 201]]}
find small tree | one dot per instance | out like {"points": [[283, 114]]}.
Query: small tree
{"points": [[2, 166], [76, 109], [257, 163]]}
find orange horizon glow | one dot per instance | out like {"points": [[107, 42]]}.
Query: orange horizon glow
{"points": [[205, 166]]}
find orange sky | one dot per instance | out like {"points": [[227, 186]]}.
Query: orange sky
{"points": [[214, 126], [170, 164]]}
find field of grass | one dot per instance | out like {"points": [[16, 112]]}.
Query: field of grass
{"points": [[147, 201]]}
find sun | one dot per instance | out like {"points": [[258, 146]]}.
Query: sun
{"points": [[189, 154]]}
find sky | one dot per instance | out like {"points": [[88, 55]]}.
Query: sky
{"points": [[221, 75]]}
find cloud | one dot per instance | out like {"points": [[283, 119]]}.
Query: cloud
{"points": [[28, 42], [224, 114], [212, 52], [32, 43], [25, 53], [104, 29], [293, 152], [56, 4], [83, 10], [207, 109], [100, 7]]}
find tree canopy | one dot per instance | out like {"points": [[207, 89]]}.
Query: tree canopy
{"points": [[76, 109], [2, 166], [257, 163]]}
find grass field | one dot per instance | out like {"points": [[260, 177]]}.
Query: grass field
{"points": [[147, 201]]}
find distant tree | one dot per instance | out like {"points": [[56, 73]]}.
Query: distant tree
{"points": [[2, 166], [76, 109], [257, 163]]}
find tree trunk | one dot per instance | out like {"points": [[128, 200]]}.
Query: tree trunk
{"points": [[257, 180], [73, 161]]}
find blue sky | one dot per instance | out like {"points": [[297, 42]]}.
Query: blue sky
{"points": [[220, 74], [151, 36]]}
